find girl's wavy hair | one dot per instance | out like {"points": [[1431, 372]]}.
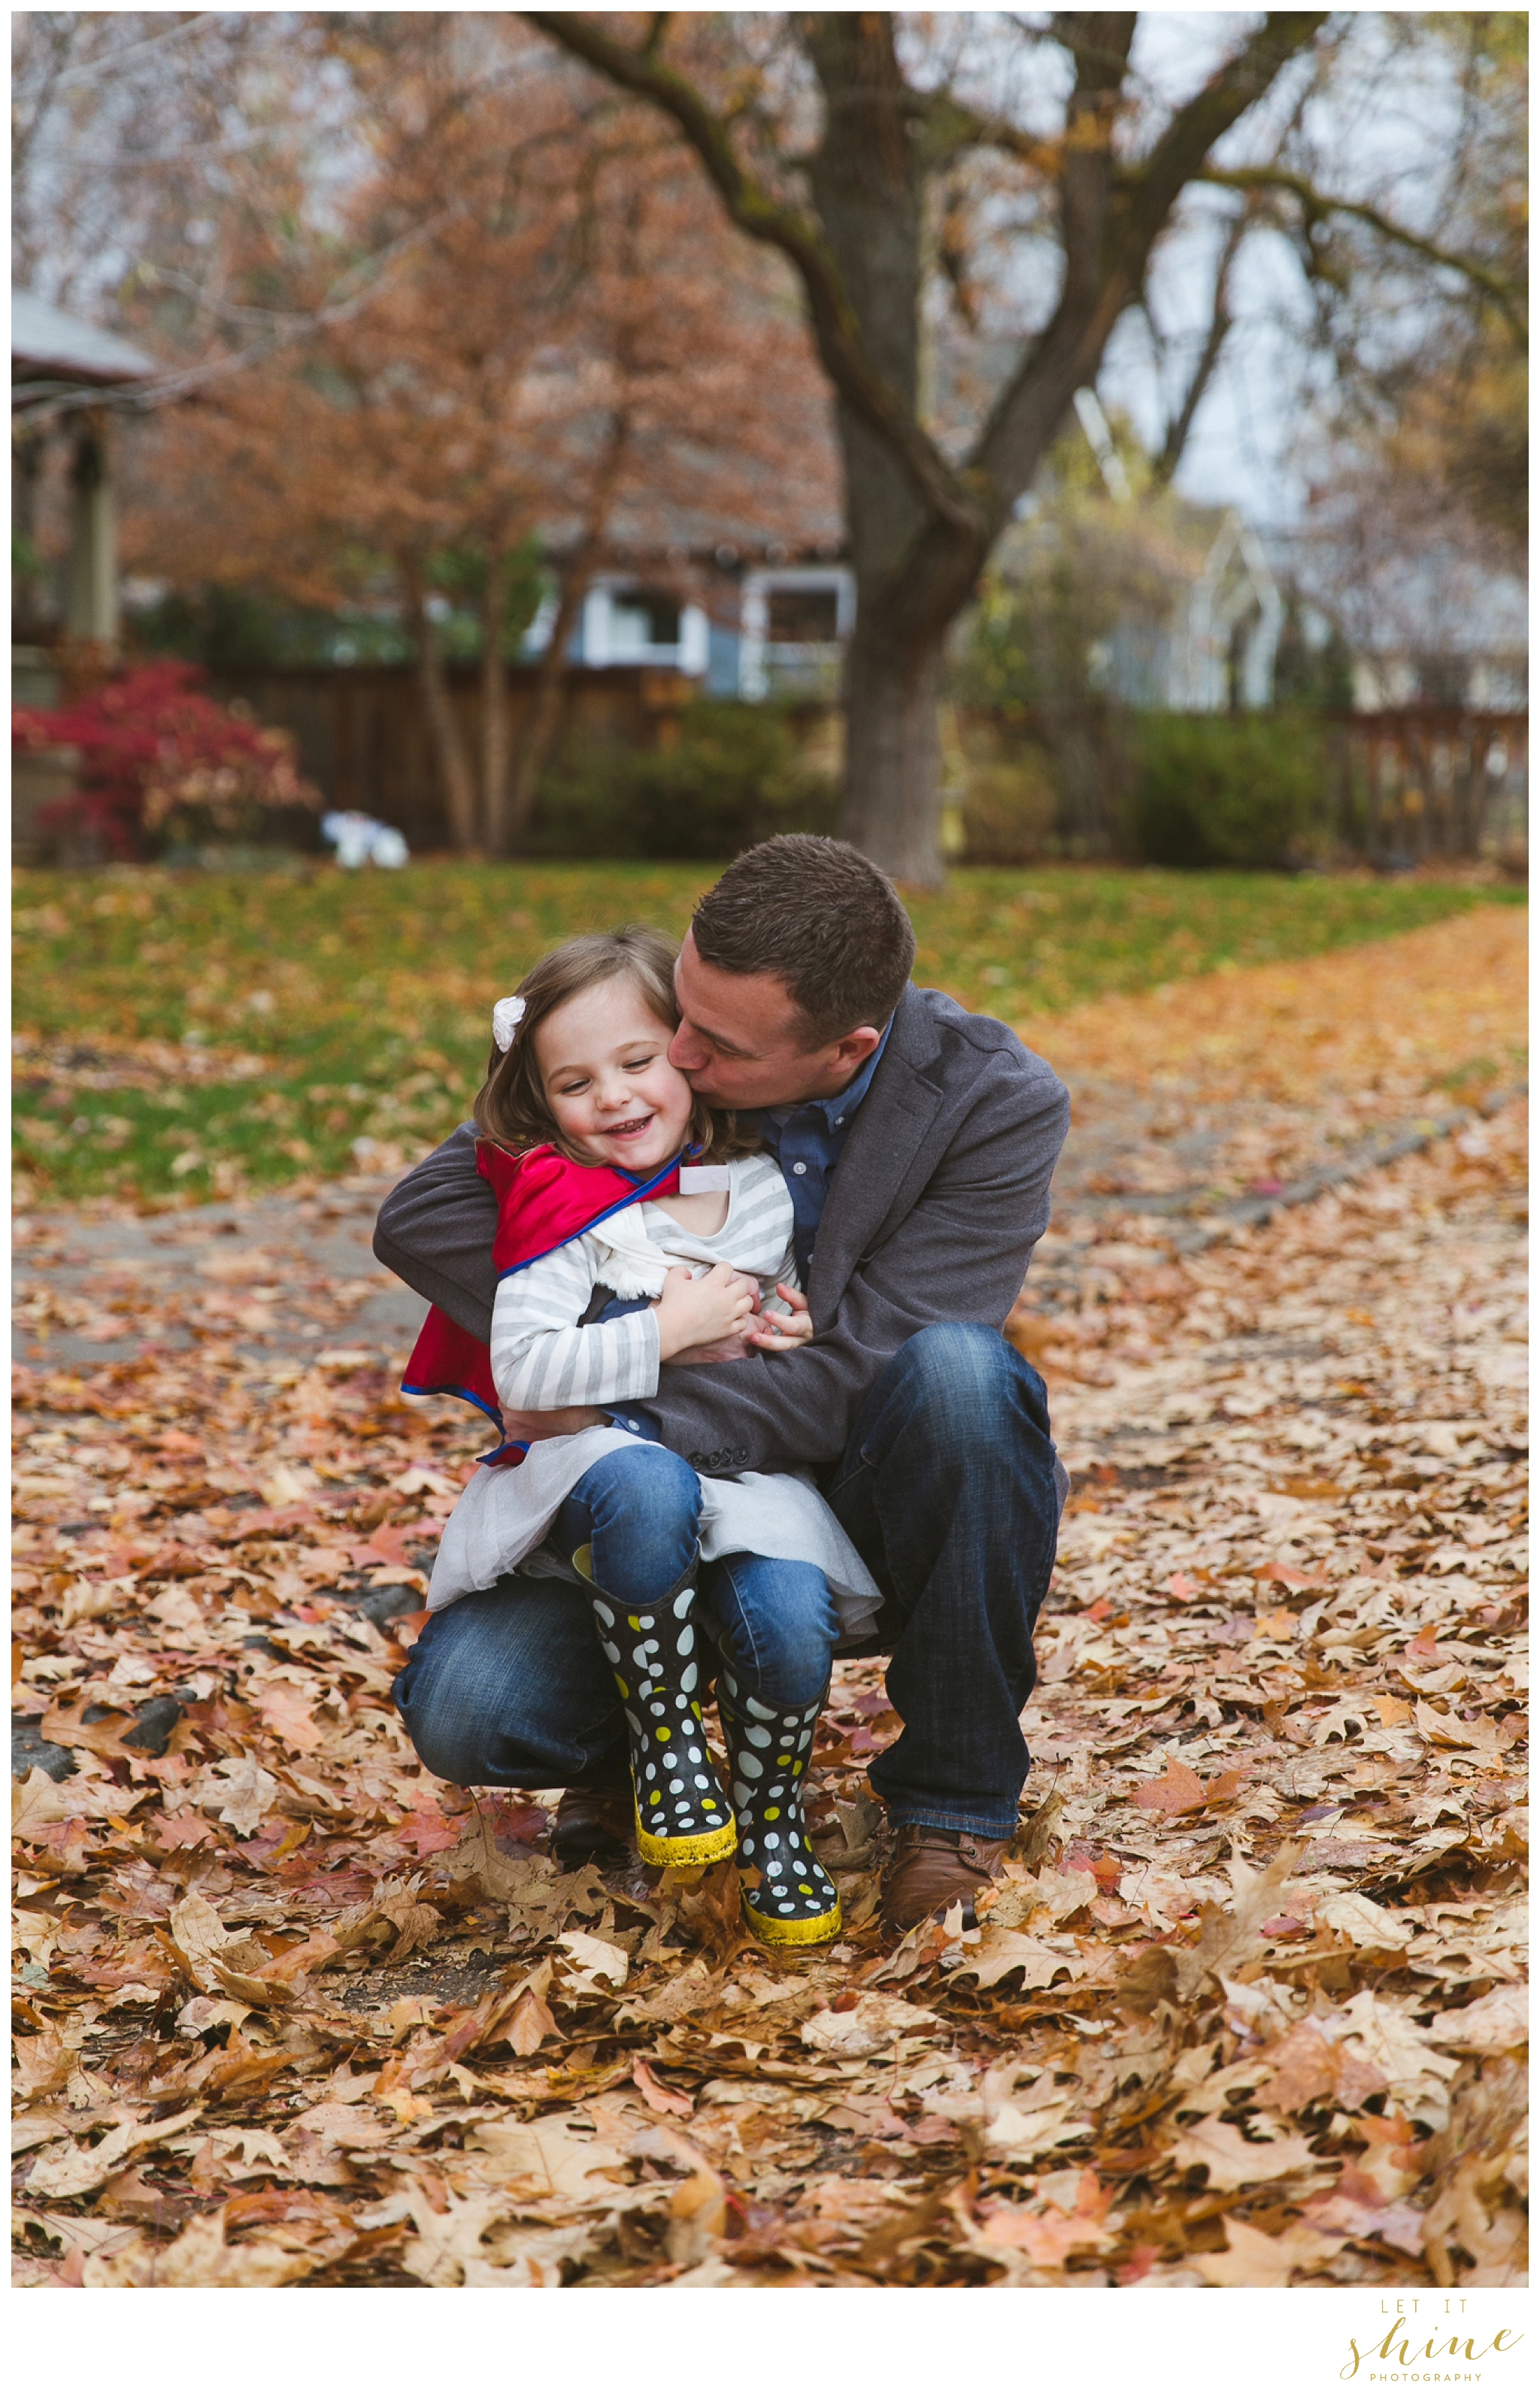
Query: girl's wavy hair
{"points": [[511, 1107]]}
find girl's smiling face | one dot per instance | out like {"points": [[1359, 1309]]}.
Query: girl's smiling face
{"points": [[604, 1064]]}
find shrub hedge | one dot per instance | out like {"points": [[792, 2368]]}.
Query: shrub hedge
{"points": [[1248, 791], [736, 773]]}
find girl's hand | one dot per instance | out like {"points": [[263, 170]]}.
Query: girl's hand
{"points": [[699, 1311], [781, 1333]]}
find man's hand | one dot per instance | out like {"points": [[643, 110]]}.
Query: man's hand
{"points": [[528, 1428], [782, 1333], [768, 1333]]}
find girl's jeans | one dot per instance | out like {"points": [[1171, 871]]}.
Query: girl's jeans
{"points": [[509, 1688]]}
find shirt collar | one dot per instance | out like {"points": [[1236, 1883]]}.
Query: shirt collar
{"points": [[837, 1109]]}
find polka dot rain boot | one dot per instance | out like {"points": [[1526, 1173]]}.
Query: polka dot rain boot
{"points": [[768, 1748], [683, 1818]]}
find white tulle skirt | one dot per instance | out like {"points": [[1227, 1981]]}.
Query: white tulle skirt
{"points": [[504, 1515]]}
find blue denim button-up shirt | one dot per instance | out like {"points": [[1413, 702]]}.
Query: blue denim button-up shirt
{"points": [[806, 1141]]}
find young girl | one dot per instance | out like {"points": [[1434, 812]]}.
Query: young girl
{"points": [[677, 1257]]}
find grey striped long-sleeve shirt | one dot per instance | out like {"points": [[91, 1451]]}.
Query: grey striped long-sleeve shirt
{"points": [[542, 1359]]}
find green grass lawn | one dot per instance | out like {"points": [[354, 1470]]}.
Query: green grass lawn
{"points": [[189, 1034]]}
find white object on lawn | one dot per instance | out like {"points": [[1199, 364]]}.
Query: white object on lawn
{"points": [[358, 839]]}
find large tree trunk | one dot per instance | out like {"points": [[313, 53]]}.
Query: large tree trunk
{"points": [[892, 807], [867, 188], [449, 748], [495, 740]]}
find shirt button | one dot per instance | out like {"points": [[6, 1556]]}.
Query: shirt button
{"points": [[838, 1121], [799, 1169]]}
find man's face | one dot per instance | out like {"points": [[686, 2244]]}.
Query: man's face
{"points": [[739, 1041]]}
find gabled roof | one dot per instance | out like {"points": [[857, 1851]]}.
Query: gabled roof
{"points": [[46, 341]]}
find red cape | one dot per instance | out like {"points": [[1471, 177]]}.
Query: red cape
{"points": [[543, 1202]]}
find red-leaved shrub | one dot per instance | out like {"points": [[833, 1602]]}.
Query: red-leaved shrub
{"points": [[161, 761]]}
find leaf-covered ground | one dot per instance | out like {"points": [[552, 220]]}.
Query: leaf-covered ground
{"points": [[183, 1035], [1247, 2006]]}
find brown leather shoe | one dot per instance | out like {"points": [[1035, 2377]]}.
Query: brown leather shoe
{"points": [[593, 1824], [931, 1868]]}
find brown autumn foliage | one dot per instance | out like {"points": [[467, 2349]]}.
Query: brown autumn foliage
{"points": [[554, 340], [1245, 2009]]}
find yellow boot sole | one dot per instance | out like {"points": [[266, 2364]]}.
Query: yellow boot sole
{"points": [[782, 1932], [687, 1853]]}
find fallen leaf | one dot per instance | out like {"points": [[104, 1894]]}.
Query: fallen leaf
{"points": [[1366, 1922], [1355, 2206], [529, 2024], [1227, 1938], [1047, 2236], [200, 1935], [1252, 2258], [1497, 2021], [285, 1711], [239, 1792], [872, 2024], [1177, 1790], [1306, 2066], [1019, 2135], [999, 1953], [593, 1964], [339, 2125], [1391, 2042], [77, 2169], [554, 2151], [1231, 2162], [449, 2233], [64, 1725], [36, 1802], [659, 2098]]}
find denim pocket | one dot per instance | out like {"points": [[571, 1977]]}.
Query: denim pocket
{"points": [[862, 1462]]}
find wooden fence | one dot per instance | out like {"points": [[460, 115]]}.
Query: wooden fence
{"points": [[362, 733], [1424, 784]]}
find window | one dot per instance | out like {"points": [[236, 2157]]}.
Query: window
{"points": [[802, 618], [643, 619]]}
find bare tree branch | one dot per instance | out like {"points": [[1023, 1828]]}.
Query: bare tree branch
{"points": [[1219, 322], [1318, 204], [112, 62], [1154, 185], [949, 126], [1112, 216]]}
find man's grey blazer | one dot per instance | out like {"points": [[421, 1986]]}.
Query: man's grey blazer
{"points": [[938, 1198]]}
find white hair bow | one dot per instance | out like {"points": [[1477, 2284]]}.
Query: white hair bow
{"points": [[507, 1013]]}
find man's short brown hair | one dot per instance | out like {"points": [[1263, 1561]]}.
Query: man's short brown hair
{"points": [[818, 915]]}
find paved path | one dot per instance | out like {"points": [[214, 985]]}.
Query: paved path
{"points": [[281, 1273]]}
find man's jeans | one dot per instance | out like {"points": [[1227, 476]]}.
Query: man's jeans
{"points": [[509, 1688], [949, 1491]]}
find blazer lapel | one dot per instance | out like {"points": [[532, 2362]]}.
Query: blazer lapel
{"points": [[891, 1126]]}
